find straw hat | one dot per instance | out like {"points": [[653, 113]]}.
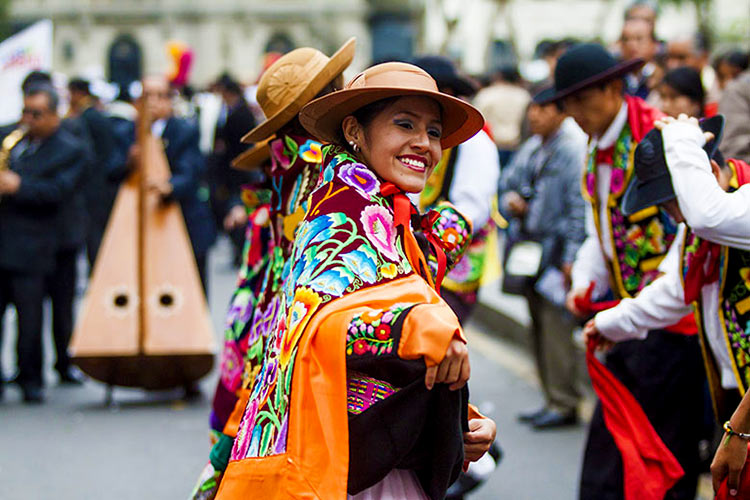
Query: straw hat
{"points": [[292, 81], [323, 116], [255, 156]]}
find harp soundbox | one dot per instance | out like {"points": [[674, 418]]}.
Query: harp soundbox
{"points": [[144, 321]]}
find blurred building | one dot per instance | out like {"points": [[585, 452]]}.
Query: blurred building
{"points": [[117, 38], [124, 39]]}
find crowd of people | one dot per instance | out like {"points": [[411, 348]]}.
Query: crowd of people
{"points": [[359, 215]]}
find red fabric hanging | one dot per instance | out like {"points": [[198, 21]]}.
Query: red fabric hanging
{"points": [[649, 468], [641, 117]]}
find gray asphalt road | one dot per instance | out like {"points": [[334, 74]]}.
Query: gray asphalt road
{"points": [[152, 445]]}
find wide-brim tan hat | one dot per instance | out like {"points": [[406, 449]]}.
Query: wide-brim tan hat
{"points": [[255, 156], [323, 116], [292, 81]]}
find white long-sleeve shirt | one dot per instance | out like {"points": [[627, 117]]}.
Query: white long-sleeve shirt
{"points": [[591, 259], [718, 216]]}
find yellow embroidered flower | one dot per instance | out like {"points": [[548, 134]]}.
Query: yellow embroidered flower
{"points": [[303, 307], [368, 317], [389, 270], [311, 152]]}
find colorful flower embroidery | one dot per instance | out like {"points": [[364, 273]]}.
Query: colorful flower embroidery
{"points": [[389, 270], [231, 366], [305, 304], [333, 281], [311, 151], [363, 262], [378, 225], [279, 161], [370, 332], [361, 178]]}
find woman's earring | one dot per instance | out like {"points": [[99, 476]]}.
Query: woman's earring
{"points": [[354, 146]]}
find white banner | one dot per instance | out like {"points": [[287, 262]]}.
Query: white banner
{"points": [[29, 50]]}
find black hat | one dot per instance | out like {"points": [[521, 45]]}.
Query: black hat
{"points": [[544, 96], [585, 65], [444, 72], [652, 184]]}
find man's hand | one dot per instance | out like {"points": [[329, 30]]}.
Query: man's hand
{"points": [[134, 156], [453, 370], [237, 217], [162, 188], [10, 182], [477, 441], [570, 301], [516, 204], [663, 122], [591, 333], [728, 463]]}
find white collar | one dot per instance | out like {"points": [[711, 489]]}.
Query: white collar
{"points": [[157, 128], [609, 137]]}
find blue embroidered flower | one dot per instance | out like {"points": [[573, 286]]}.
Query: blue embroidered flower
{"points": [[363, 262], [333, 281]]}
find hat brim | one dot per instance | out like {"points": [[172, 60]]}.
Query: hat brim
{"points": [[715, 125], [334, 67], [616, 71], [254, 157], [323, 116], [642, 195]]}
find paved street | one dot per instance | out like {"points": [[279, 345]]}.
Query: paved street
{"points": [[152, 446]]}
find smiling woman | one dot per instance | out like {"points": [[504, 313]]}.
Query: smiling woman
{"points": [[362, 386]]}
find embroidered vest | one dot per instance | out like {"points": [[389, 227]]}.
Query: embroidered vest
{"points": [[639, 241], [733, 310], [465, 276]]}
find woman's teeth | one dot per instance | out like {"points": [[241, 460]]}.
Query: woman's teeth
{"points": [[413, 163]]}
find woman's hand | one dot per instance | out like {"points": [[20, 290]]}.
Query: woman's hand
{"points": [[453, 370], [477, 441], [728, 463], [592, 334]]}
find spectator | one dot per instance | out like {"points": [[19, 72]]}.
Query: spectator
{"points": [[646, 10], [735, 106], [540, 196], [729, 65], [503, 105], [44, 169], [235, 120], [639, 41], [681, 91], [99, 192]]}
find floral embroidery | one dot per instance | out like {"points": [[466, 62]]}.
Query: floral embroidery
{"points": [[370, 332], [231, 366], [361, 178], [362, 392], [311, 151], [279, 161], [305, 304], [389, 270], [379, 228]]}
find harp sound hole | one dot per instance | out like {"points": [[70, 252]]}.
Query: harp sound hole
{"points": [[166, 300], [121, 300]]}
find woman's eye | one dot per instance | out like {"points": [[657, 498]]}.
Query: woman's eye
{"points": [[435, 132], [404, 124]]}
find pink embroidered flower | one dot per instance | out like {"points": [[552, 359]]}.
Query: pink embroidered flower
{"points": [[278, 159], [231, 366], [242, 442], [617, 181], [379, 228]]}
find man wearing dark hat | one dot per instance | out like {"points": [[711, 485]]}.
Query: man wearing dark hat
{"points": [[619, 257], [466, 176], [540, 197], [713, 198]]}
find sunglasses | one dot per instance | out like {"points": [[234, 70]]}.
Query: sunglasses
{"points": [[34, 113]]}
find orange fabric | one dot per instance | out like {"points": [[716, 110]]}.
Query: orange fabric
{"points": [[427, 331], [474, 412], [315, 464], [233, 424]]}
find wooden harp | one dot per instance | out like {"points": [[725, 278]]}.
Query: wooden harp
{"points": [[144, 321]]}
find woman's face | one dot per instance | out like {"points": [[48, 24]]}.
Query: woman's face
{"points": [[402, 142], [673, 103]]}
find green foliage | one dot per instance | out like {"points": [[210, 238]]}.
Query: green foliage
{"points": [[5, 30]]}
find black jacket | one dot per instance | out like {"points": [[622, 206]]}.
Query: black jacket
{"points": [[99, 191], [30, 218]]}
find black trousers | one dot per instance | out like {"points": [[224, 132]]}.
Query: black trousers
{"points": [[665, 374], [61, 288], [26, 292]]}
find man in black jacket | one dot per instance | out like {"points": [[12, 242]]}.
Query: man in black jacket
{"points": [[99, 192], [44, 168]]}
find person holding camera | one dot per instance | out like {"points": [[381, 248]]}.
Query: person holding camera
{"points": [[540, 196]]}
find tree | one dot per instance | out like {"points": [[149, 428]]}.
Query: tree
{"points": [[5, 28], [703, 14]]}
